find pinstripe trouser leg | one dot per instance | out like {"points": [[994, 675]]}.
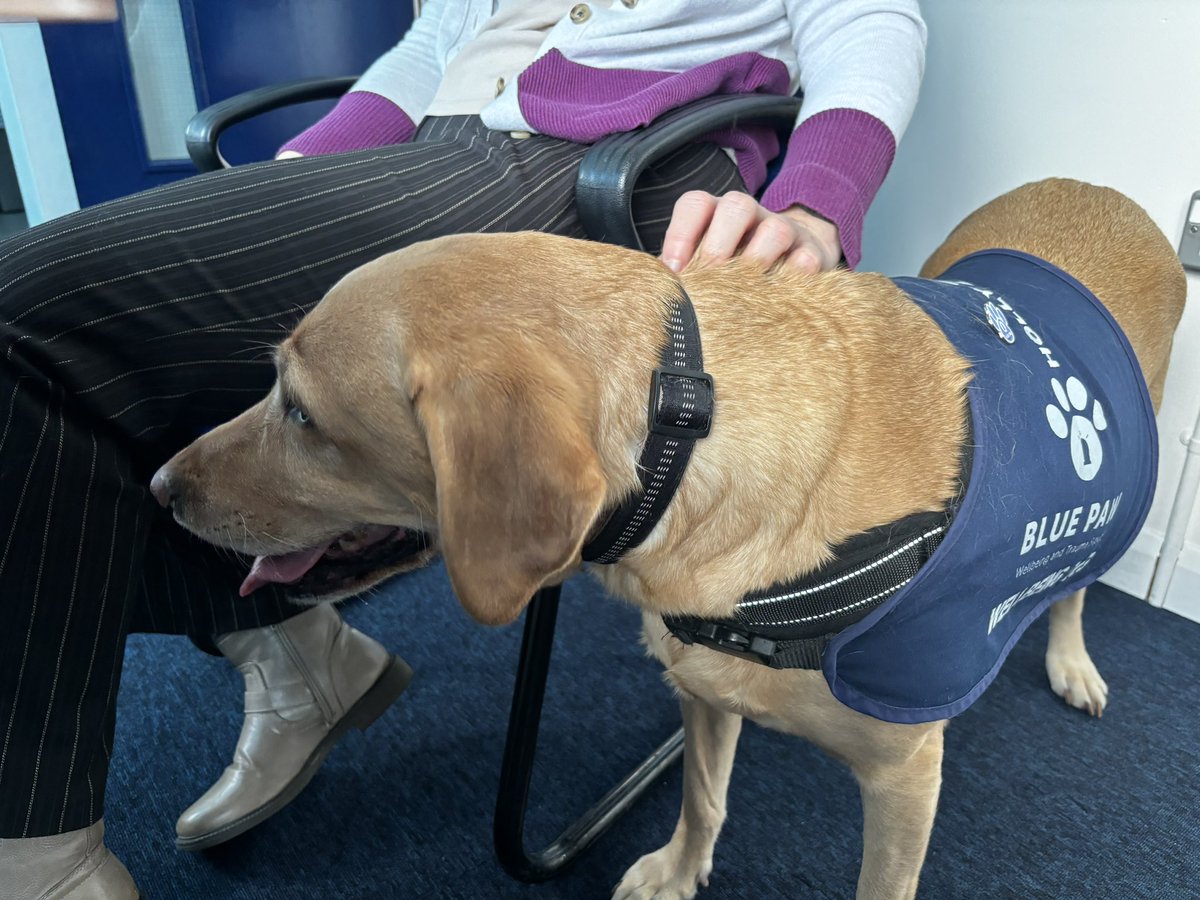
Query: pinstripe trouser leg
{"points": [[125, 330]]}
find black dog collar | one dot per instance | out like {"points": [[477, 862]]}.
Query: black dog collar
{"points": [[680, 413]]}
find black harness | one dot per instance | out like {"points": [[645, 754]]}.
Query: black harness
{"points": [[788, 625]]}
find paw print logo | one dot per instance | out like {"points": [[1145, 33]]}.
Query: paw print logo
{"points": [[1083, 429]]}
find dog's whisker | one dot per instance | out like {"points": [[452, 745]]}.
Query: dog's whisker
{"points": [[245, 528], [262, 348], [290, 545]]}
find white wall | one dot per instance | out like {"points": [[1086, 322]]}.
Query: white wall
{"points": [[1106, 91]]}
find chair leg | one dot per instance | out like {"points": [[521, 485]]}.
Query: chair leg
{"points": [[517, 768]]}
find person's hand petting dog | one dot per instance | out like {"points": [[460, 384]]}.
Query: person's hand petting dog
{"points": [[718, 228]]}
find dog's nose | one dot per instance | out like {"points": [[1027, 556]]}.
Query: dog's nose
{"points": [[163, 489]]}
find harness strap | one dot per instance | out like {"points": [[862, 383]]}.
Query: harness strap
{"points": [[789, 625]]}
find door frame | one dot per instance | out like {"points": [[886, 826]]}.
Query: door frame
{"points": [[33, 126]]}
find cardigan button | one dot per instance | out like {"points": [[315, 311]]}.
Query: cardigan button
{"points": [[629, 4], [580, 13], [499, 86]]}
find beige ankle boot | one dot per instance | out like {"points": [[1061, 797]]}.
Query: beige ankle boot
{"points": [[71, 866], [308, 681]]}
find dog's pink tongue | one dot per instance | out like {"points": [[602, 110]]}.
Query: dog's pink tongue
{"points": [[282, 569]]}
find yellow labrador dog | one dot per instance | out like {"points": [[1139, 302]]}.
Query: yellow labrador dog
{"points": [[485, 397]]}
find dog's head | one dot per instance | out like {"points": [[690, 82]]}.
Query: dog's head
{"points": [[428, 403]]}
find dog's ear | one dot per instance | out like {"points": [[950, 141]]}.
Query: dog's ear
{"points": [[518, 479]]}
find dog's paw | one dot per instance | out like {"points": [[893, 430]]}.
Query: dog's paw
{"points": [[663, 875], [1074, 677]]}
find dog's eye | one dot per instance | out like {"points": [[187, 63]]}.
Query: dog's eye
{"points": [[299, 416]]}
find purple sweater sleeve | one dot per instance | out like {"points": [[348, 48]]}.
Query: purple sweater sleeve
{"points": [[360, 120], [834, 165]]}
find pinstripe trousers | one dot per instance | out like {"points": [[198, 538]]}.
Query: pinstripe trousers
{"points": [[128, 328]]}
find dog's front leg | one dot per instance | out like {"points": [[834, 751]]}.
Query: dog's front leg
{"points": [[899, 802], [674, 871], [1073, 675]]}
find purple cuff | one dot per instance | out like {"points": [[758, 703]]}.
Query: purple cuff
{"points": [[834, 165], [360, 120]]}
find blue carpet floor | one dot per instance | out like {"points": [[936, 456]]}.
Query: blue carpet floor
{"points": [[1039, 801]]}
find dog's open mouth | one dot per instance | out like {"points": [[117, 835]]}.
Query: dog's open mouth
{"points": [[356, 558]]}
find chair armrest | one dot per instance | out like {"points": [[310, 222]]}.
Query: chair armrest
{"points": [[205, 128], [610, 169]]}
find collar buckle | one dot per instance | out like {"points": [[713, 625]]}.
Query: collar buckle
{"points": [[681, 403]]}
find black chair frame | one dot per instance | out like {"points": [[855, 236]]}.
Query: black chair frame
{"points": [[604, 196]]}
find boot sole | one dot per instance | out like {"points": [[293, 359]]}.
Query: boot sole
{"points": [[369, 707]]}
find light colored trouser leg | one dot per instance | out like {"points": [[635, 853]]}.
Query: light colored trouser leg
{"points": [[899, 804], [675, 870], [1073, 675]]}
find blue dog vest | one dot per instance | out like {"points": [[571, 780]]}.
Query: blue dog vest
{"points": [[1063, 473]]}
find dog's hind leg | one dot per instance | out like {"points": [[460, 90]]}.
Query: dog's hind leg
{"points": [[899, 803], [674, 871], [1073, 675]]}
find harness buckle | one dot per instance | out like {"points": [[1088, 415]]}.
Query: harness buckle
{"points": [[728, 640], [681, 403]]}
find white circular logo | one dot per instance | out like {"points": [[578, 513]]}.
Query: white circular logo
{"points": [[999, 322], [1083, 430]]}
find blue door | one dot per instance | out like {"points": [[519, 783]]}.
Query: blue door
{"points": [[125, 90]]}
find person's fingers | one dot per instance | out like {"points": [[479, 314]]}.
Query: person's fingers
{"points": [[818, 247], [689, 220], [736, 214], [774, 238], [805, 259], [718, 229]]}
